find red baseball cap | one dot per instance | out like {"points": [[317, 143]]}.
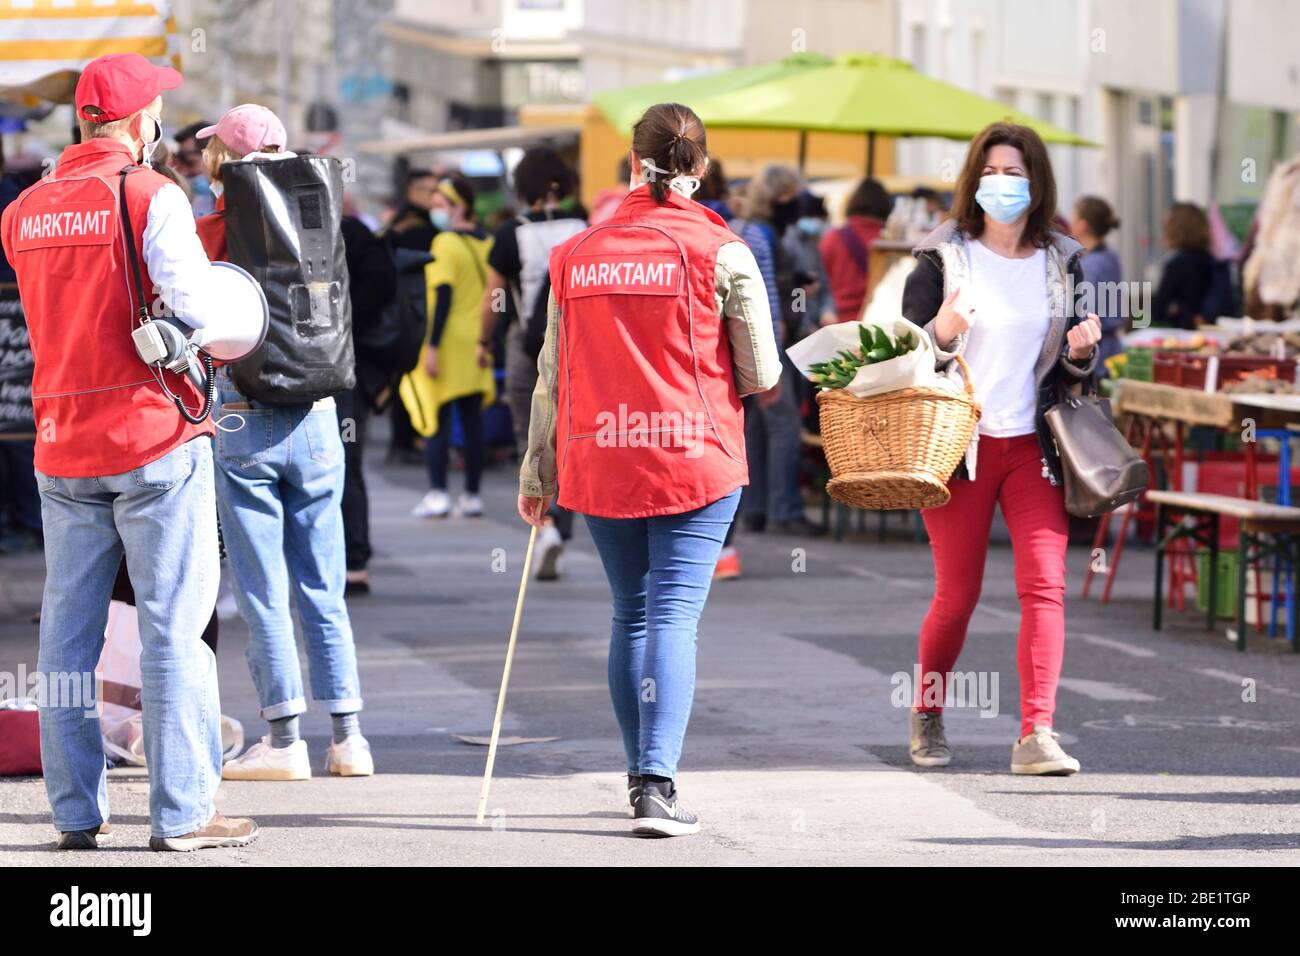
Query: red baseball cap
{"points": [[119, 84], [247, 129]]}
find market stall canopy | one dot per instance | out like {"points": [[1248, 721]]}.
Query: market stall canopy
{"points": [[866, 93], [624, 107], [862, 93], [44, 45]]}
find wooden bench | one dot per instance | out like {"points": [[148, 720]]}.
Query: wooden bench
{"points": [[1264, 530]]}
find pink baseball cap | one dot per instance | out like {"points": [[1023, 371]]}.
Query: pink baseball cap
{"points": [[247, 129]]}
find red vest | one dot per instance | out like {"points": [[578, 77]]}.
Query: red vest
{"points": [[99, 410], [212, 232], [649, 421]]}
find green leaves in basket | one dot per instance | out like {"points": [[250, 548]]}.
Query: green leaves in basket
{"points": [[876, 346]]}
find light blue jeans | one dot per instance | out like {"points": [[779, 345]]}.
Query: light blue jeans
{"points": [[279, 488], [163, 516], [660, 570]]}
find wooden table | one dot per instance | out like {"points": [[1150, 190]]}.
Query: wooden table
{"points": [[1264, 530], [1153, 408]]}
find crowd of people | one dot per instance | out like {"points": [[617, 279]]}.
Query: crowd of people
{"points": [[520, 352]]}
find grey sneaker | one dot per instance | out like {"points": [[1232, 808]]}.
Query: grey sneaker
{"points": [[1041, 753], [929, 746], [633, 793]]}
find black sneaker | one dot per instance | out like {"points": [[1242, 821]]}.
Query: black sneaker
{"points": [[657, 812], [633, 791], [84, 839]]}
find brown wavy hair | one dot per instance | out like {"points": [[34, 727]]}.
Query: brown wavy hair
{"points": [[1038, 167]]}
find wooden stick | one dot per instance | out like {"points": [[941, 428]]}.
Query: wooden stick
{"points": [[505, 679]]}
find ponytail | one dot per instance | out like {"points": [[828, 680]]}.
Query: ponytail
{"points": [[669, 138]]}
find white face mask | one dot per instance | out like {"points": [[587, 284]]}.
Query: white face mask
{"points": [[681, 184], [147, 152]]}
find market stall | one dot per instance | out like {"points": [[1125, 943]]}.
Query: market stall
{"points": [[1237, 383]]}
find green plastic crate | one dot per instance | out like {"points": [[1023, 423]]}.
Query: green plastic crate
{"points": [[1141, 364], [1225, 604]]}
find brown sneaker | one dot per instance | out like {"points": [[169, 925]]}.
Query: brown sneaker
{"points": [[929, 745], [84, 839], [220, 831]]}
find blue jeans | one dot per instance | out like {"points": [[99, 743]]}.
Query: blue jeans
{"points": [[162, 515], [279, 490], [660, 570], [772, 444]]}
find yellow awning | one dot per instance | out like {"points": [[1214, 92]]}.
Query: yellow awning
{"points": [[44, 44]]}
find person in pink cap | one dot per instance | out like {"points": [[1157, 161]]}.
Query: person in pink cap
{"points": [[280, 472], [247, 130]]}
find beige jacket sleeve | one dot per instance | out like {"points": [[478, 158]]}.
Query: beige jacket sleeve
{"points": [[741, 299], [537, 473]]}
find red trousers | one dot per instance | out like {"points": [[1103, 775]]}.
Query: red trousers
{"points": [[1009, 473]]}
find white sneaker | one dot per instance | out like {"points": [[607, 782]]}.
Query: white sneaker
{"points": [[434, 504], [550, 546], [471, 506], [264, 762], [351, 758], [1040, 753]]}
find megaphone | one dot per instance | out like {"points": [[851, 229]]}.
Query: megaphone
{"points": [[246, 315], [166, 343]]}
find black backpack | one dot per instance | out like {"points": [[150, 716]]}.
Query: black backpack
{"points": [[283, 224], [393, 341]]}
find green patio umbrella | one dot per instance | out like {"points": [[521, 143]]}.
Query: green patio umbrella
{"points": [[623, 107], [852, 93]]}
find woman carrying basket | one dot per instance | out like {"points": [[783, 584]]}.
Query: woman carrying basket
{"points": [[658, 325], [993, 284]]}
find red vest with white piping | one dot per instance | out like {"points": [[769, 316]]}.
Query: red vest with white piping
{"points": [[649, 421], [99, 409]]}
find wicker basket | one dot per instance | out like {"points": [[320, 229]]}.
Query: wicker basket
{"points": [[897, 450]]}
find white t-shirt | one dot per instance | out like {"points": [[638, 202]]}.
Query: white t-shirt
{"points": [[1010, 322]]}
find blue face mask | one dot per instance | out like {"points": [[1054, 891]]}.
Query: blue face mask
{"points": [[809, 225], [441, 219], [1003, 198]]}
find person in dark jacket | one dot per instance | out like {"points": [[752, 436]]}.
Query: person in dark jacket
{"points": [[991, 285], [1091, 222], [1188, 273], [372, 281]]}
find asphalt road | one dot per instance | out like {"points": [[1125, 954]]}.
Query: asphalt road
{"points": [[796, 752]]}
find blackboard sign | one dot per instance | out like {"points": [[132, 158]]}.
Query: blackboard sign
{"points": [[16, 367]]}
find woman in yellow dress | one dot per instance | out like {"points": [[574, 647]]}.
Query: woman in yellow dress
{"points": [[450, 376]]}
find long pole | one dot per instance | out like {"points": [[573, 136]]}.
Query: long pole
{"points": [[505, 679]]}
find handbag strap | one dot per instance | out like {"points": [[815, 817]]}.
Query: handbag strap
{"points": [[128, 235]]}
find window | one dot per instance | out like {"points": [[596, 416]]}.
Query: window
{"points": [[918, 47]]}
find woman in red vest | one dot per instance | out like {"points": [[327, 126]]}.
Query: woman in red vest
{"points": [[658, 326]]}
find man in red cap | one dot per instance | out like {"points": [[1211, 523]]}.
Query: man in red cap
{"points": [[121, 469]]}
